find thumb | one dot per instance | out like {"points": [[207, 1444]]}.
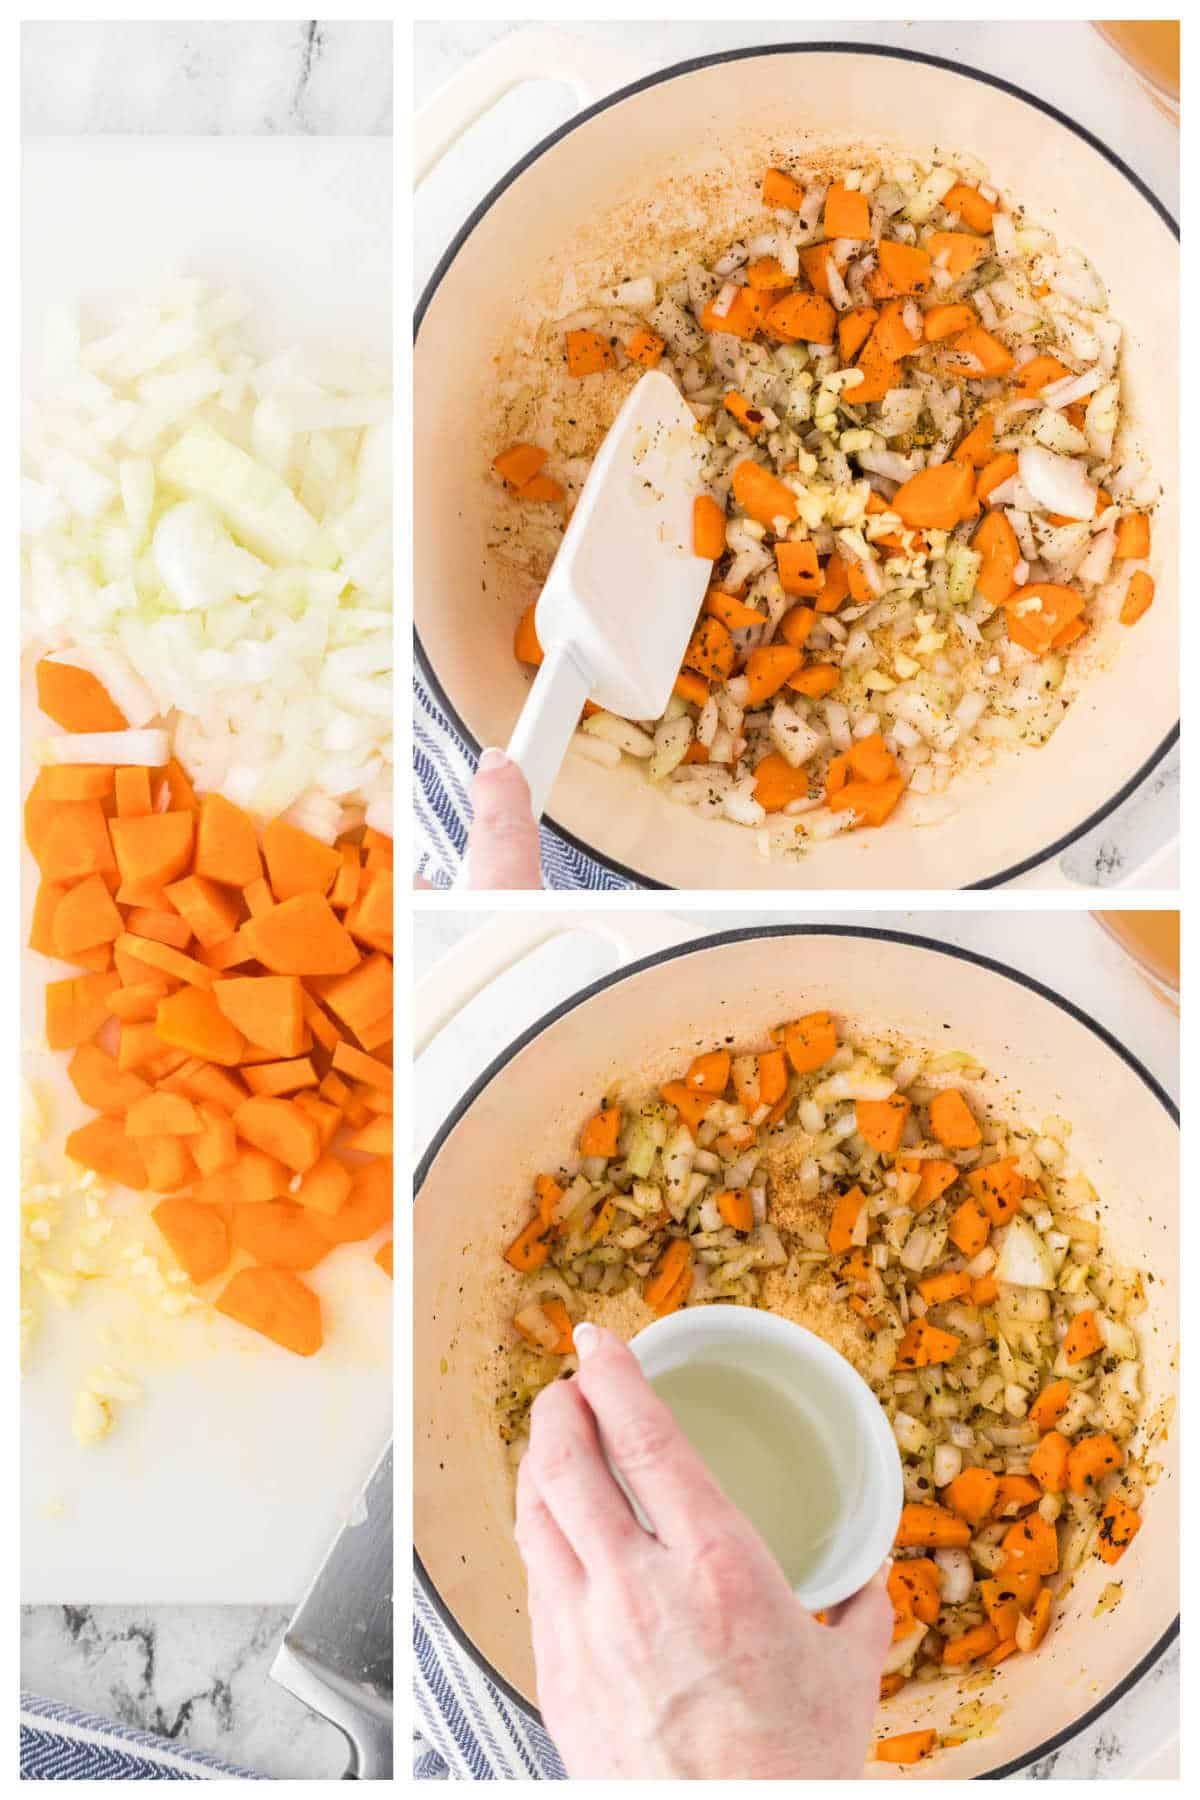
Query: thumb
{"points": [[503, 848], [867, 1615]]}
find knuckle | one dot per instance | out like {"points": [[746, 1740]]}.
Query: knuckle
{"points": [[642, 1441], [719, 1566]]}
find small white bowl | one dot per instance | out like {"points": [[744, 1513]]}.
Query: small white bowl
{"points": [[853, 1425]]}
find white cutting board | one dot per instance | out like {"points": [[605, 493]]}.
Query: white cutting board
{"points": [[229, 1480]]}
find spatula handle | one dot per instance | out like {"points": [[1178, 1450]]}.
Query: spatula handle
{"points": [[547, 724]]}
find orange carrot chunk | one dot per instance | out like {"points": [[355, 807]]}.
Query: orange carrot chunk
{"points": [[278, 1304]]}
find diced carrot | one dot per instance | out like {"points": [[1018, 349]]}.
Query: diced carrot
{"points": [[85, 917], [938, 497], [952, 1121], [297, 863], [810, 1041], [968, 1646], [266, 1009], [801, 318], [132, 788], [847, 1210], [969, 1228], [369, 920], [103, 1145], [882, 1122], [1015, 1494], [153, 851], [743, 318], [344, 891], [368, 1207], [944, 320], [74, 842], [816, 680], [972, 1494], [1132, 536], [588, 353], [996, 542], [168, 1161], [302, 936], [74, 699], [1090, 1459], [1048, 1464], [906, 1746], [280, 1077], [162, 926], [230, 953], [708, 528], [1083, 1337], [1119, 1525], [952, 1284], [847, 214], [1031, 1544], [995, 357], [645, 347], [924, 1345], [1050, 1405], [956, 251], [278, 1304], [767, 669], [799, 571], [78, 781], [349, 1061], [733, 613], [1139, 597], [278, 1233], [908, 268], [383, 1256], [599, 1136], [212, 912], [777, 783], [163, 1115], [710, 652], [924, 1525], [709, 1073], [762, 495], [196, 1233], [935, 1174], [216, 1146], [226, 845], [100, 1083], [1038, 612], [854, 328], [999, 1188], [77, 1007], [781, 191], [519, 464], [669, 1269], [280, 1129], [326, 1186], [872, 801], [970, 206], [191, 1020]]}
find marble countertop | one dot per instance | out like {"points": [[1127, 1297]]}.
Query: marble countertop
{"points": [[196, 1674], [1068, 952], [200, 78], [1067, 64]]}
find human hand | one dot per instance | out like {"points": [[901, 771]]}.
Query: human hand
{"points": [[683, 1656], [503, 848]]}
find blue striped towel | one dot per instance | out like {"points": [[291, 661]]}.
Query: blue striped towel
{"points": [[60, 1743], [466, 1729], [443, 765]]}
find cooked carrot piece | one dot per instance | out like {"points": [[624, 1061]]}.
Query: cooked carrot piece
{"points": [[100, 1083], [952, 1121], [191, 1020], [161, 926], [906, 1746], [252, 1179], [969, 1227], [995, 358], [226, 845], [671, 1267], [935, 1290], [1090, 1459], [872, 801], [520, 464], [201, 1081], [599, 1136], [711, 651], [943, 321], [743, 318], [1031, 1545], [1133, 536], [762, 494], [174, 963], [781, 191], [230, 953], [278, 1233], [996, 542], [369, 920], [777, 783], [1083, 1337], [708, 528], [939, 497], [969, 1645], [882, 1122], [1015, 1494], [344, 891], [810, 1041], [197, 1234], [956, 251], [278, 1304], [75, 699], [924, 1345], [168, 1161], [588, 353], [216, 1146], [328, 1119], [935, 1174], [972, 1494], [1119, 1525], [1050, 1405], [709, 1073], [999, 1188], [302, 936], [925, 1525], [767, 669], [914, 1587], [847, 1210], [103, 1145], [1139, 597], [374, 1137], [152, 851], [847, 214], [530, 1248], [801, 318], [1048, 1464]]}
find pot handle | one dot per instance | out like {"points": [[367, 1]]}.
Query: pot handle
{"points": [[1160, 870], [507, 938], [589, 69]]}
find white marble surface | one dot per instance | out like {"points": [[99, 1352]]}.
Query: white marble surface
{"points": [[1068, 952], [304, 75], [196, 1674], [1067, 64]]}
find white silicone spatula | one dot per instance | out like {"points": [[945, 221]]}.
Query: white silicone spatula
{"points": [[621, 599]]}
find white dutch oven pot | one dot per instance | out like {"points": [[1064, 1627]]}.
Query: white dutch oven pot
{"points": [[636, 1028], [722, 119]]}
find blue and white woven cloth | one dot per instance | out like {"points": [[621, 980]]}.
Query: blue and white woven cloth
{"points": [[466, 1729], [60, 1743], [443, 766]]}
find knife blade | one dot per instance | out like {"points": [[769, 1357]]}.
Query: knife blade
{"points": [[336, 1655]]}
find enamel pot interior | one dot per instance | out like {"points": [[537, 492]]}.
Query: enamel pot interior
{"points": [[637, 1029], [676, 158]]}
